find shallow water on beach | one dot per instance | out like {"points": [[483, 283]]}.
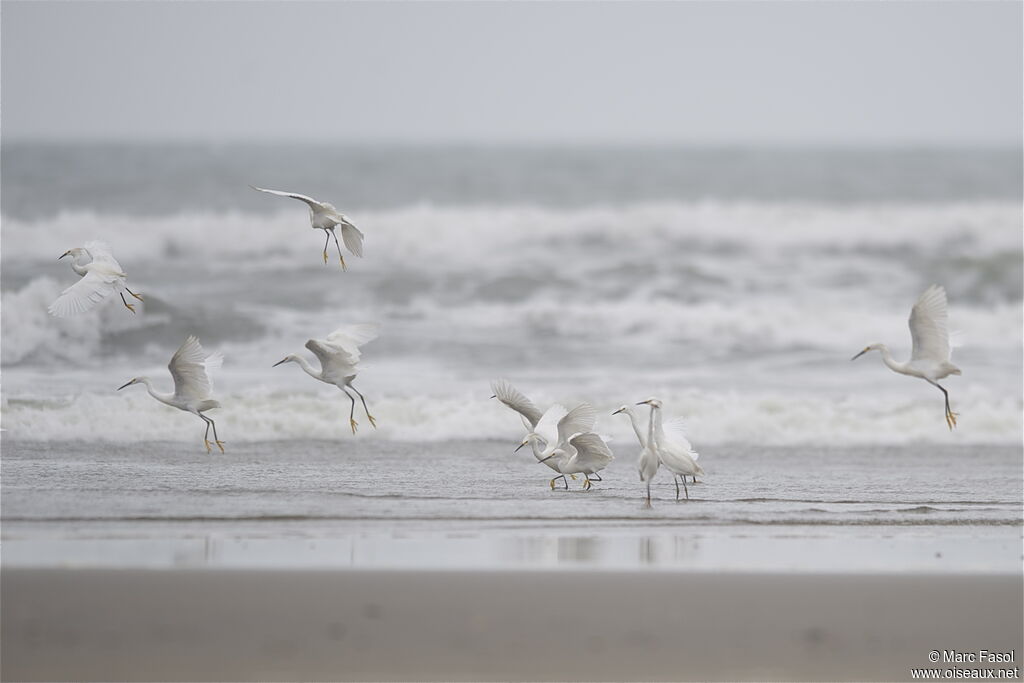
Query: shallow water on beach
{"points": [[363, 504]]}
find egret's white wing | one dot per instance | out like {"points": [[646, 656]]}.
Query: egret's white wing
{"points": [[514, 399], [675, 433], [351, 337], [294, 195], [547, 426], [591, 447], [928, 326], [100, 252], [93, 288], [579, 419], [352, 238], [189, 366], [339, 353]]}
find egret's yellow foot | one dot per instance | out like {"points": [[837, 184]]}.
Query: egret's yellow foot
{"points": [[573, 477], [553, 484], [587, 485], [220, 445], [137, 296], [343, 266], [129, 306], [372, 421], [207, 444], [325, 257], [354, 424]]}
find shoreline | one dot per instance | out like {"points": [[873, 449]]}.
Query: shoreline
{"points": [[198, 624]]}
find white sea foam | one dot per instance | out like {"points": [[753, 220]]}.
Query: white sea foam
{"points": [[714, 419]]}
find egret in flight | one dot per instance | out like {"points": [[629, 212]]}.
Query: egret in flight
{"points": [[101, 276], [929, 358], [649, 462], [673, 448], [190, 367], [323, 216], [339, 356], [583, 453]]}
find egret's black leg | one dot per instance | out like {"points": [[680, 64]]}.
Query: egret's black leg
{"points": [[216, 439], [126, 304], [206, 434], [137, 296], [675, 480], [686, 489], [648, 493], [596, 477], [327, 241], [333, 234], [950, 415], [367, 410], [351, 413]]}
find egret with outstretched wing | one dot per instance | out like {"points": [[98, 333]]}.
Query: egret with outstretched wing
{"points": [[190, 368], [339, 355], [101, 276], [930, 357], [323, 216]]}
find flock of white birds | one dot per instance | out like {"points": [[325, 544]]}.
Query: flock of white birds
{"points": [[562, 439]]}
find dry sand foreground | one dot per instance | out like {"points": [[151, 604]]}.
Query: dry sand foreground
{"points": [[313, 625]]}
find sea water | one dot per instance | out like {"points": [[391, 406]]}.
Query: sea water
{"points": [[735, 285]]}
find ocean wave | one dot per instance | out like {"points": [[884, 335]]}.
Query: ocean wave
{"points": [[444, 234], [714, 419]]}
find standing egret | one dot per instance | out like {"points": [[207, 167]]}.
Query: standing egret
{"points": [[554, 429], [929, 358], [583, 453], [101, 276], [323, 216], [339, 355], [190, 367], [649, 462], [673, 449]]}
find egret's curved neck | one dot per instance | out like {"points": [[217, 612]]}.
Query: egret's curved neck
{"points": [[304, 364], [537, 452], [80, 270], [887, 358], [635, 421], [163, 398]]}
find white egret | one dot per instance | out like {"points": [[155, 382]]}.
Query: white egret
{"points": [[101, 276], [339, 356], [673, 449], [531, 416], [554, 429], [190, 367], [649, 462], [323, 216], [930, 356], [583, 453]]}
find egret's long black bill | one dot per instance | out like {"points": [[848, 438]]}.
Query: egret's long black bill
{"points": [[277, 363], [126, 384], [545, 459], [63, 255], [518, 447], [859, 354]]}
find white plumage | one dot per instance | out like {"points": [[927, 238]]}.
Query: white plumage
{"points": [[930, 356], [102, 276], [323, 216], [190, 368], [339, 355]]}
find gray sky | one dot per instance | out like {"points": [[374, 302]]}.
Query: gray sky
{"points": [[947, 73]]}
